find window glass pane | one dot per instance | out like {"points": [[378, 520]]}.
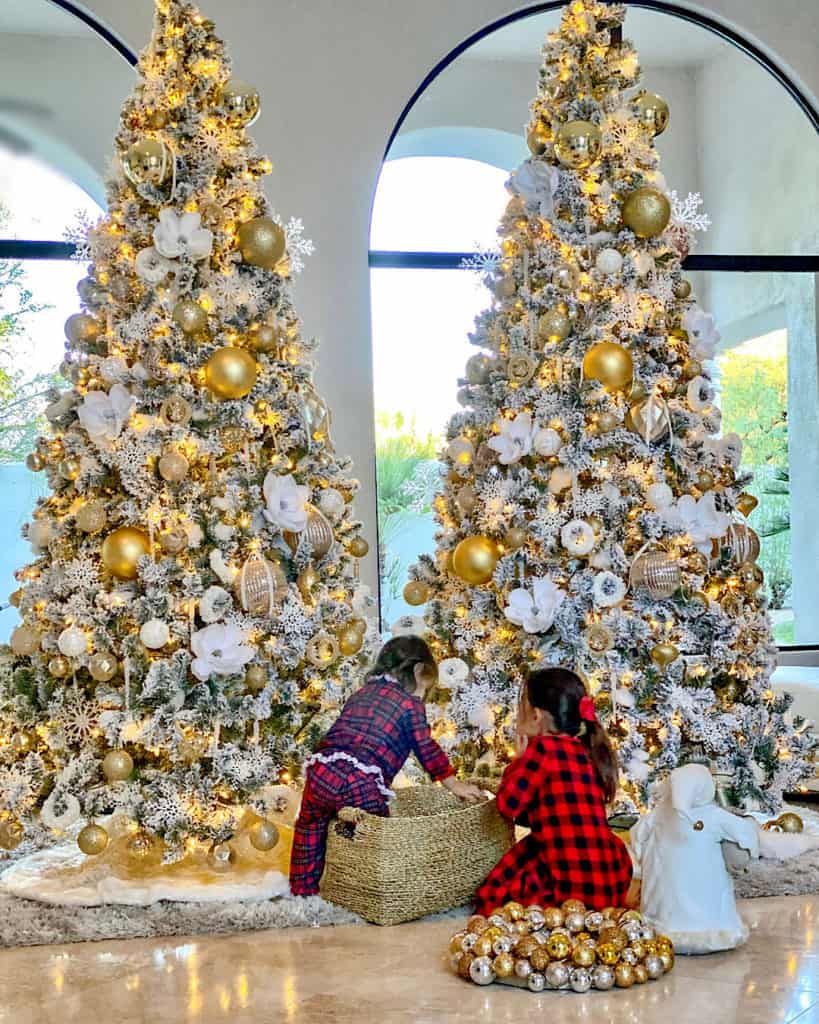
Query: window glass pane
{"points": [[421, 320], [38, 202], [438, 204]]}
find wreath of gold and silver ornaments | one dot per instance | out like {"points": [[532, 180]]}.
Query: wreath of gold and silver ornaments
{"points": [[568, 948]]}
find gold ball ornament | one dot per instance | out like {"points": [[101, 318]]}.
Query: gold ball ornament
{"points": [[647, 212], [262, 242], [144, 848], [358, 547], [682, 289], [263, 835], [59, 667], [91, 517], [705, 480], [653, 112], [538, 138], [578, 144], [240, 102], [317, 535], [25, 640], [558, 946], [504, 965], [11, 833], [264, 338], [565, 276], [70, 468], [176, 411], [350, 641], [122, 550], [322, 650], [117, 765], [173, 467], [35, 462], [92, 840], [790, 822], [746, 503], [657, 573], [478, 368], [103, 666], [256, 678], [583, 956], [520, 368], [554, 325], [752, 576], [624, 975], [147, 162], [190, 316], [230, 373], [475, 559], [515, 538], [664, 654], [609, 363], [308, 578], [81, 329], [416, 593]]}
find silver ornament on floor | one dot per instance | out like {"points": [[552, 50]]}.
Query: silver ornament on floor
{"points": [[603, 977], [480, 971], [536, 982], [557, 975], [580, 980], [221, 857], [523, 969], [654, 966]]}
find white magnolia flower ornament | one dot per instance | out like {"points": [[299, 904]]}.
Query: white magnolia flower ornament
{"points": [[535, 611], [152, 267], [220, 651], [699, 519], [176, 236], [700, 394], [104, 415], [608, 589], [659, 495], [453, 673], [286, 502], [214, 604], [409, 625], [536, 182], [702, 332], [577, 537], [515, 439]]}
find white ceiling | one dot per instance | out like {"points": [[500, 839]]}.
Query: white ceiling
{"points": [[660, 39], [38, 18]]}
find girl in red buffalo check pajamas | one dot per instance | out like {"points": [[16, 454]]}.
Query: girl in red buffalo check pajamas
{"points": [[353, 766], [558, 787]]}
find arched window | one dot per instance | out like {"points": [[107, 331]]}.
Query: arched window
{"points": [[51, 160], [738, 138]]}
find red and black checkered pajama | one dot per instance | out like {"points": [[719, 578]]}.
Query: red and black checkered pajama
{"points": [[570, 853]]}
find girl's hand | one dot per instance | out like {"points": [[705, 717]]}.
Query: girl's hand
{"points": [[463, 790], [521, 743]]}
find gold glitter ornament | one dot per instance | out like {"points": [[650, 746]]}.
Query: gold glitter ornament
{"points": [[189, 316], [25, 640], [92, 840], [103, 666], [554, 325], [11, 833], [176, 411], [59, 667], [264, 338], [117, 765], [262, 242], [350, 641], [80, 329], [646, 212], [598, 639], [91, 517], [173, 466], [256, 678]]}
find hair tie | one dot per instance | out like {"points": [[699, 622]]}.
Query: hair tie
{"points": [[588, 712]]}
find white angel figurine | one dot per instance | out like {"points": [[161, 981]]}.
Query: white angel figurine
{"points": [[687, 892]]}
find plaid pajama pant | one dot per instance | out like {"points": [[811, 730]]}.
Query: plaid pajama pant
{"points": [[329, 787]]}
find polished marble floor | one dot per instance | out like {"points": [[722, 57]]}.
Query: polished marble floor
{"points": [[357, 975]]}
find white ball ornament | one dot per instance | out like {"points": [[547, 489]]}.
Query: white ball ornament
{"points": [[643, 263], [40, 533], [547, 442], [659, 496], [72, 642], [560, 480], [331, 502], [609, 261], [154, 634]]}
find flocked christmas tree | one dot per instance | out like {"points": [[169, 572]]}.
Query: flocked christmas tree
{"points": [[592, 515], [192, 611]]}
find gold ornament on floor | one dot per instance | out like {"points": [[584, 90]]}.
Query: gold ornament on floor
{"points": [[647, 212], [578, 144], [25, 640], [653, 112], [81, 329], [230, 373], [416, 593], [145, 849], [240, 103], [92, 840], [103, 666], [261, 585], [664, 654], [350, 641], [190, 316], [318, 535], [263, 835], [147, 162], [609, 363], [538, 138], [554, 325], [122, 550], [173, 466], [790, 822], [475, 559], [91, 517], [117, 765], [322, 650], [656, 573], [262, 242], [746, 503], [11, 833]]}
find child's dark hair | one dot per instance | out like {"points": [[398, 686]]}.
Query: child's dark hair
{"points": [[398, 659], [559, 691]]}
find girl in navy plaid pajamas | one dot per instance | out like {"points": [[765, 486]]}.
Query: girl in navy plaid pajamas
{"points": [[353, 766], [558, 787]]}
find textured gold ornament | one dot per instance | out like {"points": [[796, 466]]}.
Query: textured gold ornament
{"points": [[173, 467], [317, 535], [554, 325], [538, 138], [664, 654], [261, 585], [81, 329], [578, 144], [558, 946], [176, 411], [92, 840], [649, 419], [599, 639], [117, 765], [790, 822], [262, 242], [647, 212], [416, 593], [240, 102], [752, 576], [657, 573], [682, 289], [25, 640], [653, 112], [230, 373], [263, 835], [358, 547], [256, 678], [583, 956], [91, 517], [147, 162], [233, 438], [520, 368], [746, 503], [322, 650], [122, 550], [609, 363], [475, 559], [190, 316], [103, 666], [350, 641], [59, 667], [264, 338], [606, 422]]}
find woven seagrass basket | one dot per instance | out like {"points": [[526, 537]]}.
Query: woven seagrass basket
{"points": [[431, 854]]}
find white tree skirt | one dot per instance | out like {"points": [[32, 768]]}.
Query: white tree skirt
{"points": [[63, 875]]}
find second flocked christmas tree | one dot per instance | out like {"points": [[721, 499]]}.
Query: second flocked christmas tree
{"points": [[193, 607], [592, 514]]}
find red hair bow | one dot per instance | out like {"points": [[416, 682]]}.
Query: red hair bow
{"points": [[588, 712]]}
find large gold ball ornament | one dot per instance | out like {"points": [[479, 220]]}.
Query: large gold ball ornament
{"points": [[416, 593], [117, 765], [664, 654], [103, 666], [790, 822], [682, 289], [190, 316], [554, 325], [358, 547], [262, 242], [263, 835], [91, 517], [317, 535], [538, 138], [350, 641], [647, 212], [92, 840], [230, 373], [322, 650], [173, 467], [475, 559], [25, 640], [70, 468], [240, 103], [122, 550], [578, 144], [653, 112], [81, 328], [609, 363], [264, 338], [256, 678], [147, 162]]}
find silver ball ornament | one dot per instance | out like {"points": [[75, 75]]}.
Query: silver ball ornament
{"points": [[603, 977], [580, 980], [654, 966], [557, 975], [480, 971], [536, 982], [523, 969]]}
